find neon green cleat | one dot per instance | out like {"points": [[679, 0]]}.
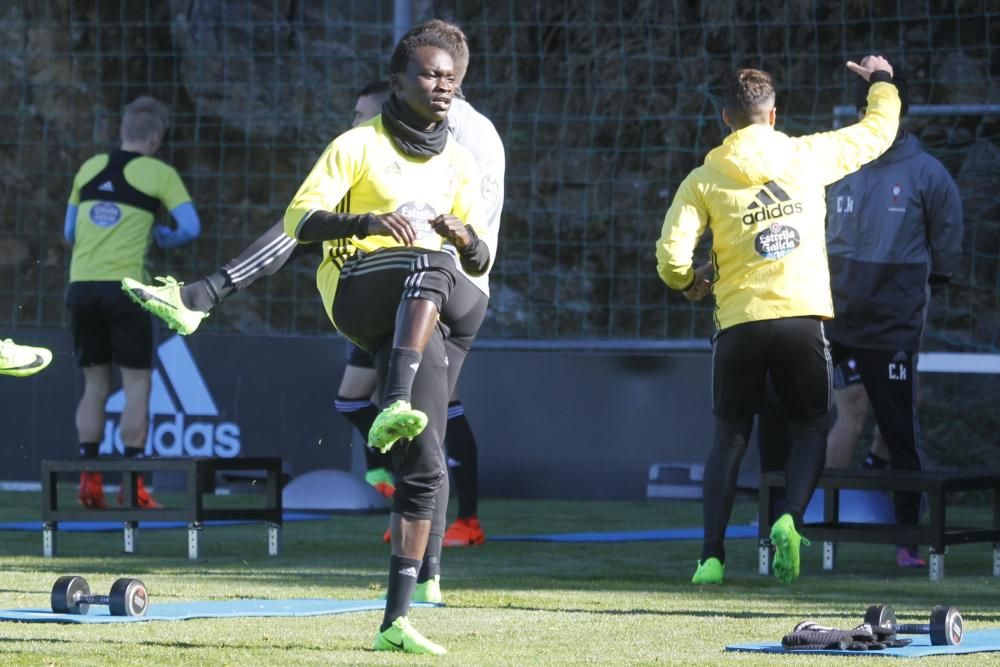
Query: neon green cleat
{"points": [[382, 480], [22, 360], [165, 302], [397, 420], [786, 542], [711, 571], [401, 636], [429, 591]]}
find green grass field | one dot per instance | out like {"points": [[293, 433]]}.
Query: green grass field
{"points": [[507, 603]]}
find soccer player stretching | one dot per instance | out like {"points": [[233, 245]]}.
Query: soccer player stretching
{"points": [[761, 194], [384, 198]]}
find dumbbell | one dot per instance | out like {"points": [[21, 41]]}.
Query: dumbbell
{"points": [[945, 627], [71, 595]]}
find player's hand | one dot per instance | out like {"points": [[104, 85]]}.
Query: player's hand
{"points": [[452, 229], [868, 65], [395, 225], [702, 285]]}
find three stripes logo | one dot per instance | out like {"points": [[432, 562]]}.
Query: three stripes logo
{"points": [[183, 417], [770, 203]]}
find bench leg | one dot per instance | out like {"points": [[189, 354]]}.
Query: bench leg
{"points": [[129, 535], [194, 531], [935, 566], [273, 539], [829, 555], [48, 540], [764, 557]]}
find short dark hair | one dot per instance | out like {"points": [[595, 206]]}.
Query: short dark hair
{"points": [[412, 41], [458, 42], [749, 97], [861, 91], [375, 88]]}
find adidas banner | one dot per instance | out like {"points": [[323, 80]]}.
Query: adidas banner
{"points": [[211, 396], [612, 413]]}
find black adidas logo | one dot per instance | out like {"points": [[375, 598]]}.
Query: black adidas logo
{"points": [[770, 203]]}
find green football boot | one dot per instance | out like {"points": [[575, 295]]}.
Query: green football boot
{"points": [[710, 571], [165, 302], [395, 421], [22, 360], [401, 636], [786, 542], [429, 591]]}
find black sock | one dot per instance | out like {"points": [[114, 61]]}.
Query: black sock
{"points": [[207, 292], [729, 444], [376, 459], [431, 566], [805, 465], [403, 365], [361, 414], [89, 450], [463, 460], [402, 581]]}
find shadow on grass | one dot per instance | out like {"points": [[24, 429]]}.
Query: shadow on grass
{"points": [[850, 618], [704, 613]]}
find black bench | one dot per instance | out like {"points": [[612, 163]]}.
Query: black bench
{"points": [[936, 533], [199, 476]]}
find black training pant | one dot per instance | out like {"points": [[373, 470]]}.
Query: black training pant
{"points": [[369, 293], [266, 255], [793, 353], [888, 376]]}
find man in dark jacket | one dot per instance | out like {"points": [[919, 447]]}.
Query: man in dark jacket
{"points": [[894, 228]]}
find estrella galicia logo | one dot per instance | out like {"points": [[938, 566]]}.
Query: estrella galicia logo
{"points": [[183, 417], [419, 214], [770, 203], [776, 241], [105, 214]]}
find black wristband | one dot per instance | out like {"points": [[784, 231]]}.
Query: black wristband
{"points": [[475, 256], [879, 76]]}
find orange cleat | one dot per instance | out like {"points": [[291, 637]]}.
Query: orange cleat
{"points": [[465, 532], [91, 493], [144, 500]]}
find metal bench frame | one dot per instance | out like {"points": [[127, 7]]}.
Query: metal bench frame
{"points": [[199, 474], [936, 534]]}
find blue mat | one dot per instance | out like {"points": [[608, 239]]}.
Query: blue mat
{"points": [[182, 611], [733, 533], [977, 641], [112, 526]]}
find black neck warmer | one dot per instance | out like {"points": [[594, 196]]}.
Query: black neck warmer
{"points": [[402, 125]]}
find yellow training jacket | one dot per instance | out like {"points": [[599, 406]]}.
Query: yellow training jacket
{"points": [[361, 171], [762, 194]]}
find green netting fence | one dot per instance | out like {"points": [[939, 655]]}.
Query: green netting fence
{"points": [[603, 107]]}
